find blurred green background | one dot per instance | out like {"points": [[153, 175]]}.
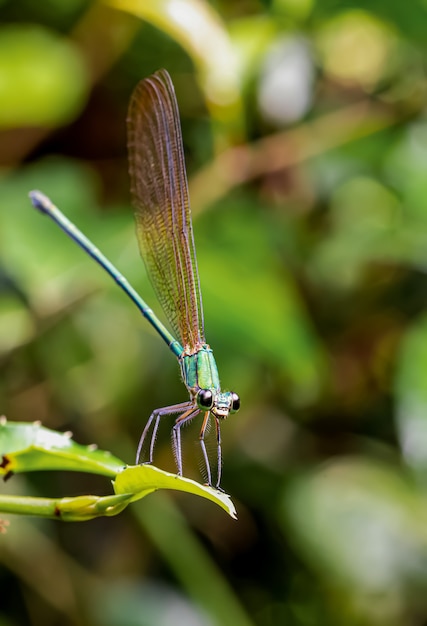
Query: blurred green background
{"points": [[305, 133]]}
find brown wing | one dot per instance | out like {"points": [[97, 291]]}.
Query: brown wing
{"points": [[159, 193]]}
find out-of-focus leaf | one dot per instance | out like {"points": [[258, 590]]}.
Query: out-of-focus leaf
{"points": [[43, 80], [366, 221], [201, 32], [36, 252], [255, 301], [360, 525]]}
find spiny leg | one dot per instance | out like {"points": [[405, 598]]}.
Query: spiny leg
{"points": [[153, 438], [219, 452], [156, 415], [176, 434], [142, 439], [203, 446]]}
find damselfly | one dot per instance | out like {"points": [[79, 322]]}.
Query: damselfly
{"points": [[165, 235]]}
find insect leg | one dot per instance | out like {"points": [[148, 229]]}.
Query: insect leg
{"points": [[219, 452], [176, 434], [156, 415], [203, 446]]}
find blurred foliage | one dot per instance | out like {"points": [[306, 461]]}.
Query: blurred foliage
{"points": [[307, 171]]}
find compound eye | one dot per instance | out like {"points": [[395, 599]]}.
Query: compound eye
{"points": [[235, 402], [205, 399]]}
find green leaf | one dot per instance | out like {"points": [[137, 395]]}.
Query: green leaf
{"points": [[27, 447], [144, 479]]}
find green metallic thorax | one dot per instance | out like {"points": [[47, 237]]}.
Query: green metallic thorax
{"points": [[199, 370]]}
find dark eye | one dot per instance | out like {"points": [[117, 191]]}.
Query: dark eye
{"points": [[235, 402], [205, 399]]}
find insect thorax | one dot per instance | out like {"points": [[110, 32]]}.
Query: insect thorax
{"points": [[199, 370]]}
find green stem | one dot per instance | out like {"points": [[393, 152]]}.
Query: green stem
{"points": [[78, 509]]}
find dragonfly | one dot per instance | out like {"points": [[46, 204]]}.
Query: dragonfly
{"points": [[159, 194]]}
